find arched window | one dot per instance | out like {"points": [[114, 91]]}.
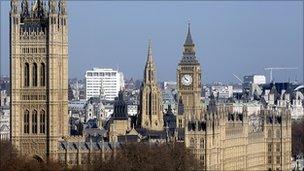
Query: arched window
{"points": [[192, 143], [26, 122], [278, 133], [202, 143], [269, 133], [42, 75], [42, 121], [34, 122], [26, 75], [34, 78]]}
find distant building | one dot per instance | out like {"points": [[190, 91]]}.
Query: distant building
{"points": [[255, 79], [4, 123], [171, 85], [113, 81], [252, 83], [222, 91], [169, 100], [4, 98]]}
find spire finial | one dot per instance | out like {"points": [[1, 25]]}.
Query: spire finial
{"points": [[189, 24]]}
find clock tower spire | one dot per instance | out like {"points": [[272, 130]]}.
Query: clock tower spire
{"points": [[188, 83]]}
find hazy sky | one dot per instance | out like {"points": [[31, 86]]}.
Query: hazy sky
{"points": [[230, 37]]}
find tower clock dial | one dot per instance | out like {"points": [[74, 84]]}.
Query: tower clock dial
{"points": [[186, 80]]}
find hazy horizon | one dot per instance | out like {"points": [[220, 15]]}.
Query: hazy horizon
{"points": [[239, 38]]}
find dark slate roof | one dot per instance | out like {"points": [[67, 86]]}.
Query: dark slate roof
{"points": [[151, 134], [64, 145], [128, 138], [289, 87], [189, 40], [189, 59], [95, 132]]}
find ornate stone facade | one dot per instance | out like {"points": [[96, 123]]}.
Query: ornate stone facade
{"points": [[224, 139], [39, 75], [151, 115], [188, 84], [227, 140]]}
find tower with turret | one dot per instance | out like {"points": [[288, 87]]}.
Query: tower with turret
{"points": [[39, 76], [188, 84]]}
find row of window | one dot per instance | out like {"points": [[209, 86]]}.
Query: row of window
{"points": [[61, 21], [34, 124], [34, 74], [33, 50], [277, 147], [192, 143], [271, 133], [33, 97], [101, 74], [278, 159], [25, 36]]}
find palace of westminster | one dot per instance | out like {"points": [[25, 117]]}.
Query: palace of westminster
{"points": [[220, 137]]}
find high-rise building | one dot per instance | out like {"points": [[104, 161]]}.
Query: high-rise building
{"points": [[39, 76], [151, 115], [113, 82], [188, 83]]}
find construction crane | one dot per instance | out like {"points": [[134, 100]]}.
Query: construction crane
{"points": [[237, 78], [278, 68]]}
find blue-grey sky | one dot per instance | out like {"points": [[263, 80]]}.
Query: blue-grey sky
{"points": [[231, 37]]}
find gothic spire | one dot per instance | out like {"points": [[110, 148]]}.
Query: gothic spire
{"points": [[52, 6], [189, 40], [150, 67], [38, 9], [14, 6], [150, 57], [25, 8], [189, 49], [62, 7]]}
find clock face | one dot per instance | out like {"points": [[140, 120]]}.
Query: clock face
{"points": [[186, 80]]}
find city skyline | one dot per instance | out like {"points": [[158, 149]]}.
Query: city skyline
{"points": [[226, 42], [51, 120]]}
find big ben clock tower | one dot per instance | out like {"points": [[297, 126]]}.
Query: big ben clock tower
{"points": [[189, 84]]}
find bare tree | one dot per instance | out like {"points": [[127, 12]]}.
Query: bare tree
{"points": [[297, 137]]}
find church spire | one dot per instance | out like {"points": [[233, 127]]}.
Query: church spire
{"points": [[150, 116], [150, 57], [149, 75]]}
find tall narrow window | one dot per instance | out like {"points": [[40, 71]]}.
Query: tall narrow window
{"points": [[34, 122], [202, 143], [42, 74], [34, 74], [26, 75], [26, 122], [42, 121], [192, 143]]}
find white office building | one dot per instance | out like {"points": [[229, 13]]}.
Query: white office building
{"points": [[255, 79], [112, 81]]}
